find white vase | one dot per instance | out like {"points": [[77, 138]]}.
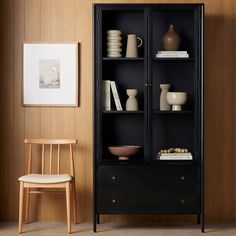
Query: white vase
{"points": [[164, 105], [131, 103]]}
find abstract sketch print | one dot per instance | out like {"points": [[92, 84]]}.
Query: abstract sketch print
{"points": [[49, 74]]}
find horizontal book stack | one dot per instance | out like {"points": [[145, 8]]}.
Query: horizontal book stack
{"points": [[174, 154], [172, 54], [108, 87]]}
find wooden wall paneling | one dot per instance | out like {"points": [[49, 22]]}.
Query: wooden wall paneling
{"points": [[84, 118], [234, 113], [18, 157], [45, 118], [222, 75], [6, 103], [62, 30], [32, 120]]}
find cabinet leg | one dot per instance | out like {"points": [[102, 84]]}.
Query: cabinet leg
{"points": [[198, 219], [202, 224], [94, 223], [98, 218]]}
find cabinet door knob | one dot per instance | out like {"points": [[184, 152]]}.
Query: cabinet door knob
{"points": [[182, 201], [182, 177], [113, 177], [113, 201]]}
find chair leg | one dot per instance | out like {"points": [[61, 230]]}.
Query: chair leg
{"points": [[21, 200], [74, 201], [27, 205], [68, 207]]}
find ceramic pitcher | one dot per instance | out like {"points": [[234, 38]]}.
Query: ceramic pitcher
{"points": [[132, 45]]}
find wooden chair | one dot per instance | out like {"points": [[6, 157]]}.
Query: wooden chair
{"points": [[40, 183]]}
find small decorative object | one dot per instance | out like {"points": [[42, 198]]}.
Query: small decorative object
{"points": [[124, 151], [131, 103], [50, 74], [164, 105], [114, 43], [171, 40], [132, 46], [176, 99], [174, 154]]}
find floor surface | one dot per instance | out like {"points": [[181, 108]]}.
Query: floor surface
{"points": [[117, 229]]}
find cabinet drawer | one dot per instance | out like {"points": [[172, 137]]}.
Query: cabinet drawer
{"points": [[149, 189]]}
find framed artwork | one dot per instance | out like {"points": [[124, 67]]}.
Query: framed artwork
{"points": [[50, 74]]}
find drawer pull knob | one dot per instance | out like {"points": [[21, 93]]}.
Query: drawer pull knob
{"points": [[182, 201], [113, 201], [113, 177], [182, 177]]}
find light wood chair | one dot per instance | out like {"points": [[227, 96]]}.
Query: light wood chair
{"points": [[40, 183]]}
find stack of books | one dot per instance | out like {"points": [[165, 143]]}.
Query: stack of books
{"points": [[172, 54], [108, 87], [175, 156]]}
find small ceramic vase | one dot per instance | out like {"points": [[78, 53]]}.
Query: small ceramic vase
{"points": [[131, 103], [171, 40], [164, 105]]}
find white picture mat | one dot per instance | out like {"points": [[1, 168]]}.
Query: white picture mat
{"points": [[67, 54]]}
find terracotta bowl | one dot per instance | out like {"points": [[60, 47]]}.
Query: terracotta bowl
{"points": [[124, 151]]}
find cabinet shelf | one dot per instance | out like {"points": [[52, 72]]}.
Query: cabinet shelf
{"points": [[175, 162], [122, 59], [188, 59], [118, 163], [123, 112], [173, 112]]}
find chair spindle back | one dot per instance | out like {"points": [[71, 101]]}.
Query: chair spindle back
{"points": [[51, 143]]}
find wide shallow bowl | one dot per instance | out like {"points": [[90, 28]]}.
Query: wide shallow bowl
{"points": [[176, 99], [124, 151]]}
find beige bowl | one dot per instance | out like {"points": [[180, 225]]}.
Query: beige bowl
{"points": [[176, 99], [124, 151]]}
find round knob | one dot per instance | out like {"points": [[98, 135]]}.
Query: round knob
{"points": [[113, 201], [113, 177], [182, 201], [182, 178]]}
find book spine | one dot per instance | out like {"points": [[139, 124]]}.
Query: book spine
{"points": [[175, 158], [172, 52], [177, 154], [106, 95], [172, 55], [116, 96]]}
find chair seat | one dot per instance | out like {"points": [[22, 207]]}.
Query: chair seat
{"points": [[45, 179]]}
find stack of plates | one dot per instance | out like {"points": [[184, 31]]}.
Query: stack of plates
{"points": [[114, 44]]}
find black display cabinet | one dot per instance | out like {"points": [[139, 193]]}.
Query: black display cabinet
{"points": [[143, 184]]}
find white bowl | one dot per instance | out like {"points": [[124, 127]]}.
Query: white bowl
{"points": [[176, 99], [132, 92]]}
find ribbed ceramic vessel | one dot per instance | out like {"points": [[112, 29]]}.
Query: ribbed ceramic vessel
{"points": [[114, 43]]}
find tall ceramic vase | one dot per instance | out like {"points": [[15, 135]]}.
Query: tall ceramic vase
{"points": [[132, 103], [164, 105]]}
